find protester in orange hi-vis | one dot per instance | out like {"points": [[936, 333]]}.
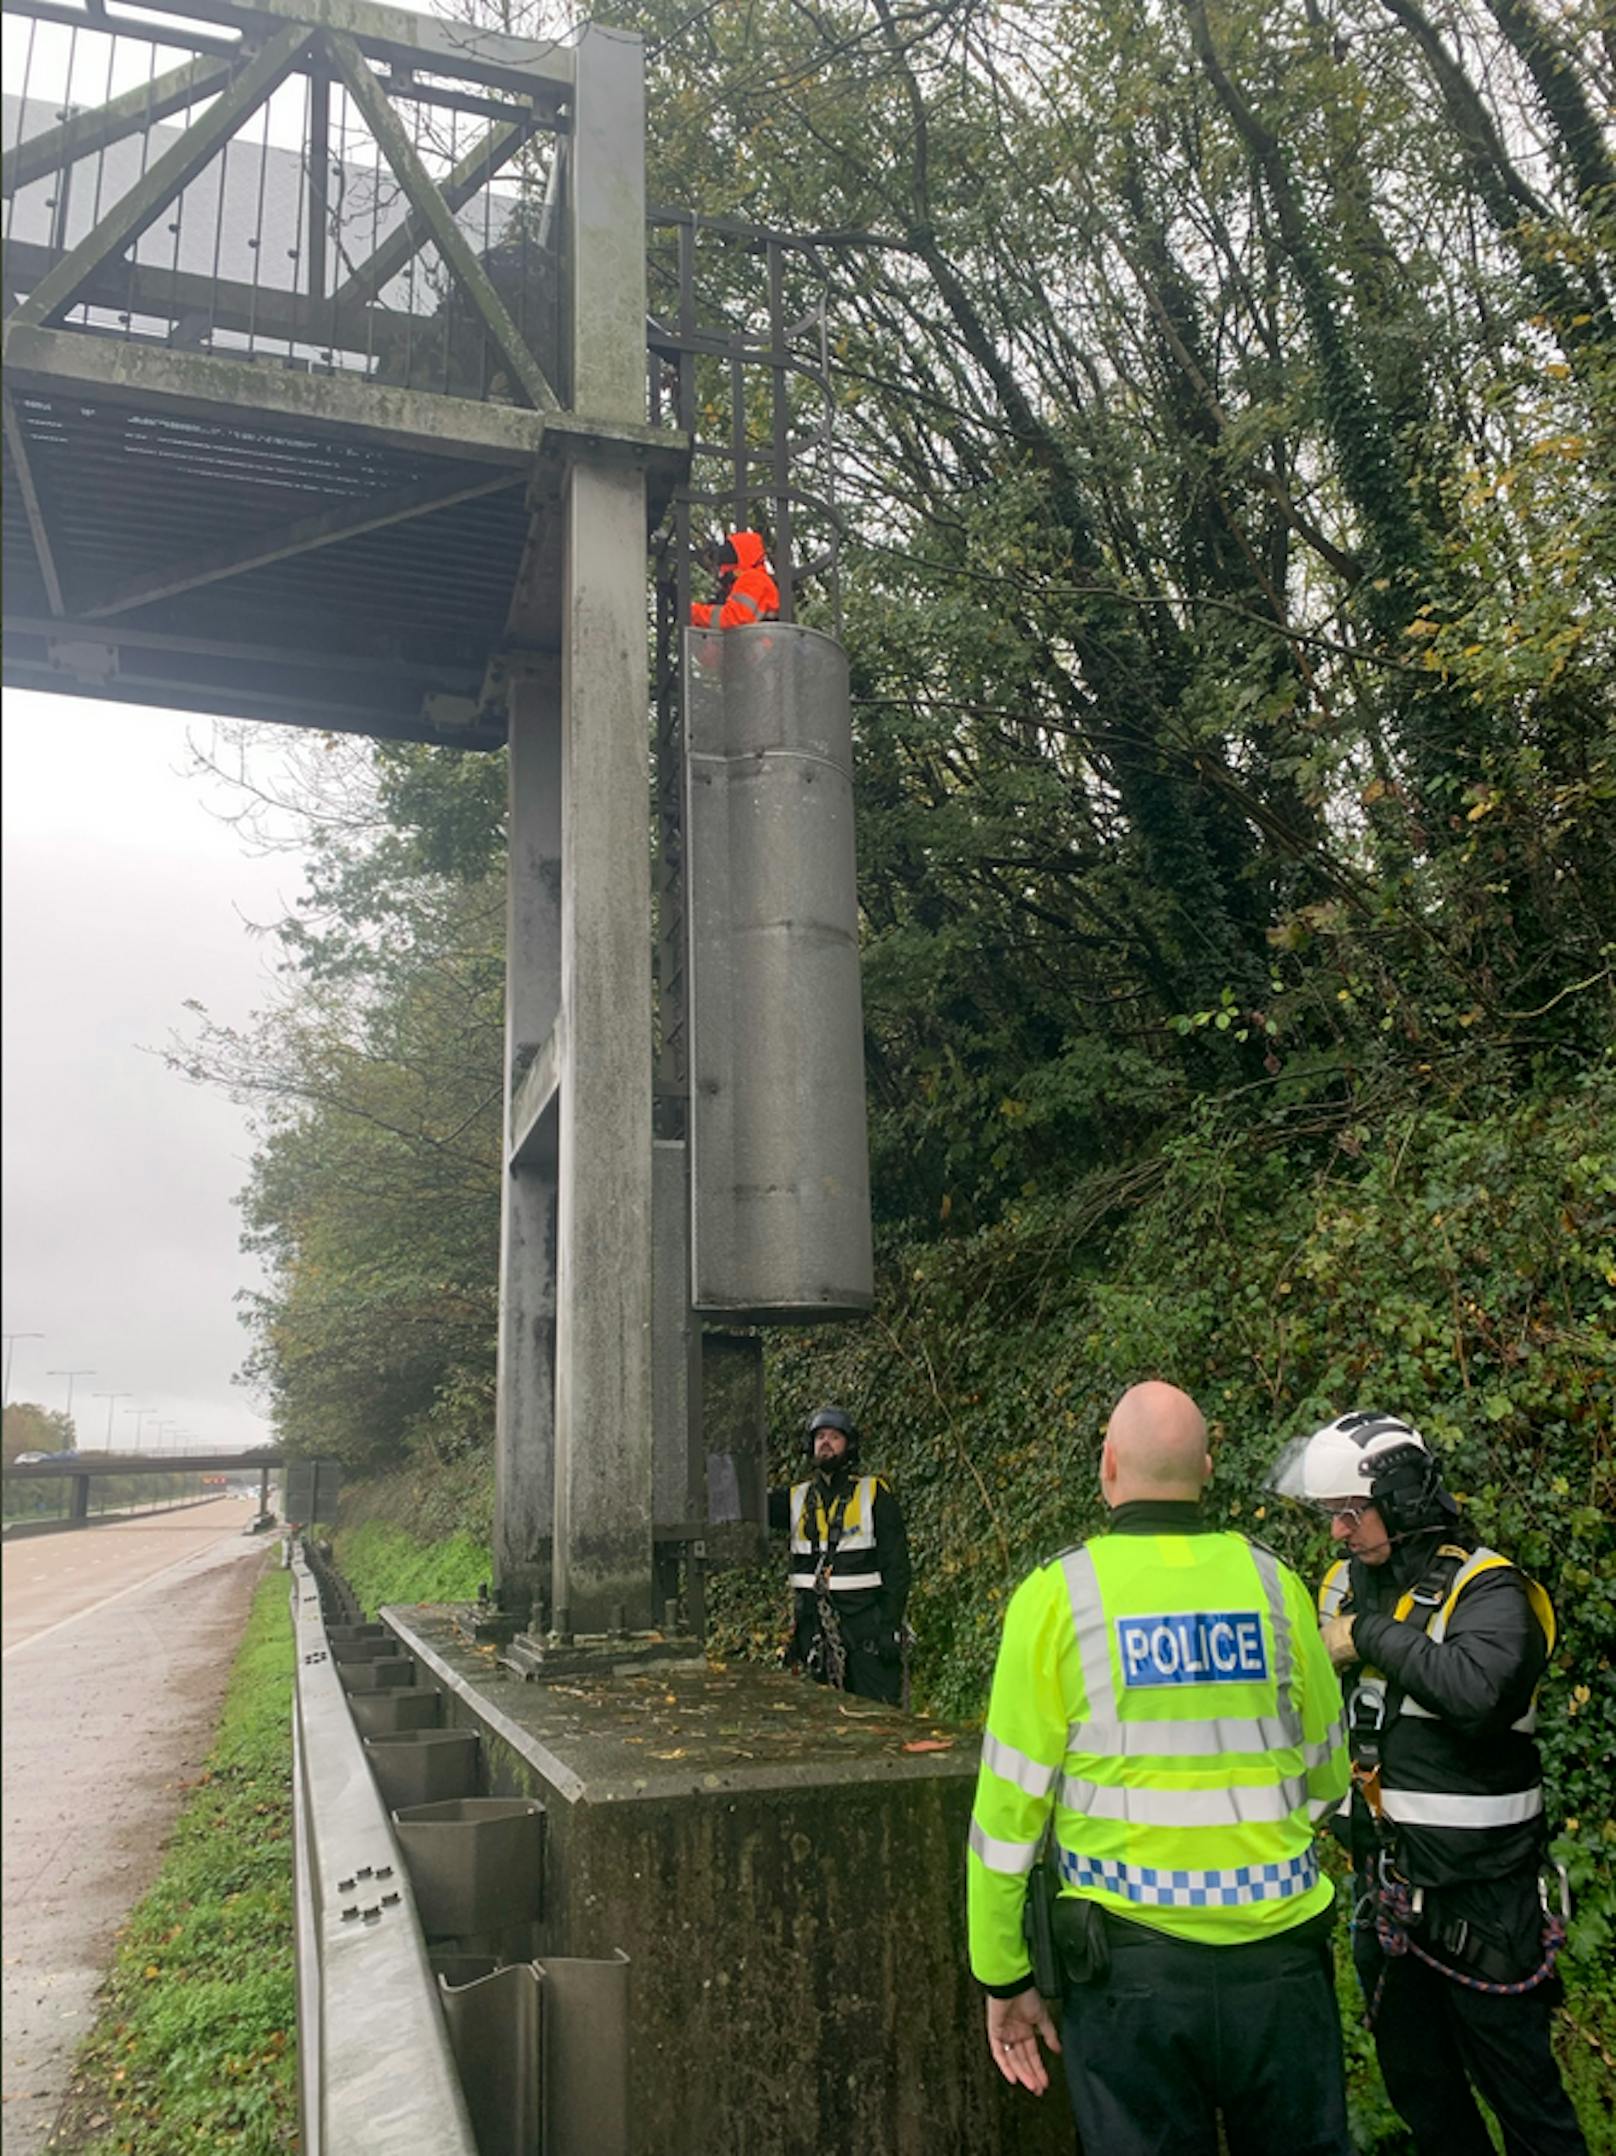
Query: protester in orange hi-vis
{"points": [[746, 591]]}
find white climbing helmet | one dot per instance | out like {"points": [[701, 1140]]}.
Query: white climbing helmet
{"points": [[1342, 1459]]}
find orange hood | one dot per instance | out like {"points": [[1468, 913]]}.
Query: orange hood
{"points": [[749, 550]]}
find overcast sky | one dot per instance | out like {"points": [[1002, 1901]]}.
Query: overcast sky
{"points": [[124, 896]]}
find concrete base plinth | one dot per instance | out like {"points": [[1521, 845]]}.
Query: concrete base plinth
{"points": [[787, 1878]]}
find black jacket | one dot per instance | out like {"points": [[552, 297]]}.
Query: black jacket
{"points": [[1475, 1683]]}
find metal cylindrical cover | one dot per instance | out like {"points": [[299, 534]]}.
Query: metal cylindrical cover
{"points": [[780, 1161]]}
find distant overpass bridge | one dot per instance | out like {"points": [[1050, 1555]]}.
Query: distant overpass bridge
{"points": [[88, 1464], [306, 1500]]}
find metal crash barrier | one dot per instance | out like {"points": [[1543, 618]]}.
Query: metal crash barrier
{"points": [[427, 2023]]}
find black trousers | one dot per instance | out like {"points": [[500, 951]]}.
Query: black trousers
{"points": [[1176, 2034], [1434, 2038]]}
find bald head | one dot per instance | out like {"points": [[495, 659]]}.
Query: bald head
{"points": [[1155, 1446]]}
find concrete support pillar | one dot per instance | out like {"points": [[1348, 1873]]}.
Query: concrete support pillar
{"points": [[81, 1498], [606, 231], [603, 1556], [524, 1447], [675, 1346], [603, 1565]]}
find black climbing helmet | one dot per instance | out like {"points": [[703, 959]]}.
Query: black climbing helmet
{"points": [[831, 1418]]}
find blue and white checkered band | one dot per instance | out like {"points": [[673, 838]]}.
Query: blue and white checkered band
{"points": [[1194, 1647], [1234, 1887]]}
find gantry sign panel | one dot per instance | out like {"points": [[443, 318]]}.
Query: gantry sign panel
{"points": [[286, 360]]}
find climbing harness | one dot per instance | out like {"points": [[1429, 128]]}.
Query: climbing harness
{"points": [[1396, 1909]]}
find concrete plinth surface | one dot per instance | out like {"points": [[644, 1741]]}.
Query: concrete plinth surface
{"points": [[119, 1642], [784, 1867]]}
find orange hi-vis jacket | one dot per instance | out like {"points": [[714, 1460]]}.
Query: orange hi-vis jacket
{"points": [[746, 593]]}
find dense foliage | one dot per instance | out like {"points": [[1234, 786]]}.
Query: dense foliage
{"points": [[1226, 420]]}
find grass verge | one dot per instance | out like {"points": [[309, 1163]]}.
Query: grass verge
{"points": [[195, 2044], [384, 1563]]}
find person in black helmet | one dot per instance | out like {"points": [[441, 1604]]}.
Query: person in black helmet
{"points": [[1441, 1643], [849, 1565]]}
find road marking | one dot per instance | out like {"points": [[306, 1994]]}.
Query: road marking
{"points": [[105, 1602]]}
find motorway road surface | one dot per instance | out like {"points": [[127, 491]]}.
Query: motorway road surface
{"points": [[117, 1643]]}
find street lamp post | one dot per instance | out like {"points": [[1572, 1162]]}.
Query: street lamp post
{"points": [[11, 1349], [82, 1370], [109, 1397], [140, 1414]]}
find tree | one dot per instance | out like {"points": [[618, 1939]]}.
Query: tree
{"points": [[30, 1428], [375, 1087]]}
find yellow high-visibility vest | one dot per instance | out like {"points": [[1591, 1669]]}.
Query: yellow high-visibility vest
{"points": [[1169, 1697]]}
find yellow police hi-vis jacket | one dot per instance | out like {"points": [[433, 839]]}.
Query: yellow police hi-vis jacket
{"points": [[1170, 1696]]}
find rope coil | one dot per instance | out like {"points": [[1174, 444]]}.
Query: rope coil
{"points": [[1392, 1910]]}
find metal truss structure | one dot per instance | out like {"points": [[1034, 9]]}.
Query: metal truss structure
{"points": [[288, 360]]}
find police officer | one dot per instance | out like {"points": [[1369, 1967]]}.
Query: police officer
{"points": [[1441, 1643], [849, 1565], [1163, 1700]]}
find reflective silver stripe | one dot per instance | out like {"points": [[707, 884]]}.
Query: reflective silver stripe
{"points": [[1447, 1808], [1479, 1560], [744, 598], [1191, 1740], [1016, 1858], [1279, 1619], [1526, 1725], [1088, 1624], [1029, 1775], [1321, 1754], [841, 1583], [1158, 1807]]}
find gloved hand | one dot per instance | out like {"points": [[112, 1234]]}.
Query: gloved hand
{"points": [[1336, 1632]]}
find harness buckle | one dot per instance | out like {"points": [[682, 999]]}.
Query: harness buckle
{"points": [[1453, 1936], [1366, 1709], [1392, 1882], [1366, 1780], [1554, 1890]]}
